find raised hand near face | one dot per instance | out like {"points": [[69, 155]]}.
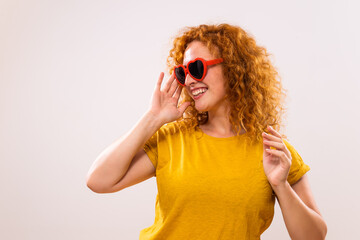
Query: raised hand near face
{"points": [[164, 101]]}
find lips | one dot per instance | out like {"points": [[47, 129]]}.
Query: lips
{"points": [[195, 90], [199, 95], [192, 89]]}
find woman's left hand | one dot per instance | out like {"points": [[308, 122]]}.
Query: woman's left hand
{"points": [[277, 161]]}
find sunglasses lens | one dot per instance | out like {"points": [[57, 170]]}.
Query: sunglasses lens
{"points": [[180, 74], [196, 69]]}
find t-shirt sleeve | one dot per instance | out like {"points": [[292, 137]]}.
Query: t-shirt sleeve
{"points": [[155, 147], [298, 168]]}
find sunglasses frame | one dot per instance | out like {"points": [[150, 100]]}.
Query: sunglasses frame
{"points": [[205, 64]]}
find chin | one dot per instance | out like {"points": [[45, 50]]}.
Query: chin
{"points": [[201, 108]]}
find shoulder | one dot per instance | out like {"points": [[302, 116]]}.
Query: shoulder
{"points": [[289, 146], [287, 143], [296, 157], [173, 128]]}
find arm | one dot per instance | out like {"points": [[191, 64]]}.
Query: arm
{"points": [[112, 164], [301, 215]]}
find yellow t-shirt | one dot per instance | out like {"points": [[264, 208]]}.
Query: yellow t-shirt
{"points": [[209, 187]]}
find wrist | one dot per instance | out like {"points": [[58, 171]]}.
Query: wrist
{"points": [[280, 187], [152, 119]]}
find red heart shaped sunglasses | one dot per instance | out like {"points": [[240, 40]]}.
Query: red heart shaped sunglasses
{"points": [[197, 69]]}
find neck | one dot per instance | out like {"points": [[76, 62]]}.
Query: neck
{"points": [[218, 121]]}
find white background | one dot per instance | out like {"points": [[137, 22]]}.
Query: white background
{"points": [[76, 75]]}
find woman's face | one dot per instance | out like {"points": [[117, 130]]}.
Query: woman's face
{"points": [[213, 97]]}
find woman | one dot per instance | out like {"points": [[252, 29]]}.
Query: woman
{"points": [[211, 137]]}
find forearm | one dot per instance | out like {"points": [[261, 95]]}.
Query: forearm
{"points": [[113, 162], [301, 221]]}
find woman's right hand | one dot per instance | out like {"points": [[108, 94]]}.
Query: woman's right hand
{"points": [[164, 102]]}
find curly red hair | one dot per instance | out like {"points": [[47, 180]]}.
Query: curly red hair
{"points": [[253, 86]]}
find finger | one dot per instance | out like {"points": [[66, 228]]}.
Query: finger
{"points": [[282, 155], [270, 137], [178, 91], [279, 153], [173, 87], [183, 106], [158, 84], [274, 144], [272, 131], [169, 82], [275, 152]]}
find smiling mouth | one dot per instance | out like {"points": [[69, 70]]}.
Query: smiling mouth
{"points": [[199, 95], [199, 91]]}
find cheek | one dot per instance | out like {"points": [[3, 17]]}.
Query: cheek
{"points": [[220, 88], [217, 92]]}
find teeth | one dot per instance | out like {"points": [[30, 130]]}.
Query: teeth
{"points": [[197, 92]]}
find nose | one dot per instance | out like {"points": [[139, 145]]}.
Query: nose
{"points": [[189, 80]]}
